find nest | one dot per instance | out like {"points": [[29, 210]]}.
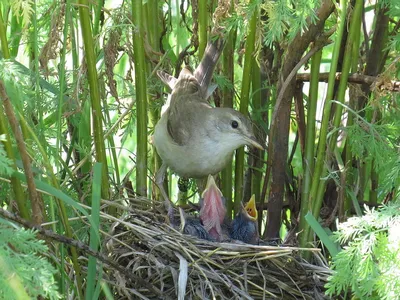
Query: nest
{"points": [[171, 265]]}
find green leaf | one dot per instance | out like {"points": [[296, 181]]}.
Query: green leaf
{"points": [[332, 247]]}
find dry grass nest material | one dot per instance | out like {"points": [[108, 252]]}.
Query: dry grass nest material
{"points": [[177, 266]]}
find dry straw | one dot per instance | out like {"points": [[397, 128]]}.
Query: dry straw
{"points": [[178, 266]]}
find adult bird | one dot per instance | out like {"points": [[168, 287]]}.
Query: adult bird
{"points": [[193, 138], [213, 211], [244, 226]]}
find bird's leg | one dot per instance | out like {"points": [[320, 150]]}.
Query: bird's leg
{"points": [[160, 175]]}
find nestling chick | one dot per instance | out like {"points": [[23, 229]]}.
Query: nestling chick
{"points": [[193, 226], [213, 211], [244, 226]]}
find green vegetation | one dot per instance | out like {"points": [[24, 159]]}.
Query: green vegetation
{"points": [[25, 271], [80, 98], [369, 264]]}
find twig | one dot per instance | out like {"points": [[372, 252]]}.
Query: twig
{"points": [[37, 205], [78, 244], [355, 78], [319, 44]]}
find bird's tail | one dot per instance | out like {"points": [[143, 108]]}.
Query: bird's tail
{"points": [[205, 69]]}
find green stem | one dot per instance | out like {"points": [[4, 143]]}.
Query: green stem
{"points": [[15, 35], [320, 189], [141, 98], [90, 57], [308, 162], [325, 119], [3, 37], [227, 96], [257, 154], [98, 9], [354, 30], [153, 33], [349, 172], [203, 22], [62, 80], [244, 104]]}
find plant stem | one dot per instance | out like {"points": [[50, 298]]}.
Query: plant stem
{"points": [[308, 161], [15, 182], [244, 104], [203, 22], [256, 155], [227, 96], [304, 236], [86, 28], [141, 98], [36, 202]]}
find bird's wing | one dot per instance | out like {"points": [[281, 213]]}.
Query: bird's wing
{"points": [[177, 130], [183, 119], [167, 79]]}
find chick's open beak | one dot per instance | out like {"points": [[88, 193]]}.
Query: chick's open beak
{"points": [[251, 208], [211, 190], [212, 211]]}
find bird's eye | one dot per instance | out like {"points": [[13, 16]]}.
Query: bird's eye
{"points": [[235, 124]]}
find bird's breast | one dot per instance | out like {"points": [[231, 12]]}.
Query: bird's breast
{"points": [[194, 159]]}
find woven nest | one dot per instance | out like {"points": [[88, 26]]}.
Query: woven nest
{"points": [[176, 266]]}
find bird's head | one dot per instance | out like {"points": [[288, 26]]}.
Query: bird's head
{"points": [[232, 128], [244, 226], [192, 226]]}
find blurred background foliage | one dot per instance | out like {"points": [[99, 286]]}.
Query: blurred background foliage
{"points": [[78, 86]]}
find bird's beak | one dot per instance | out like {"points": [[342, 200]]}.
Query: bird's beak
{"points": [[213, 210], [252, 141], [251, 208], [211, 188]]}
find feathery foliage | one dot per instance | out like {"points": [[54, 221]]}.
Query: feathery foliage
{"points": [[6, 168], [369, 266], [23, 9], [24, 271]]}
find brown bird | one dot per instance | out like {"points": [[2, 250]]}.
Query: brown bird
{"points": [[213, 211], [244, 226], [193, 138]]}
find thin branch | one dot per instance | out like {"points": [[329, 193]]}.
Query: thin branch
{"points": [[78, 244], [380, 83], [319, 44], [37, 205]]}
